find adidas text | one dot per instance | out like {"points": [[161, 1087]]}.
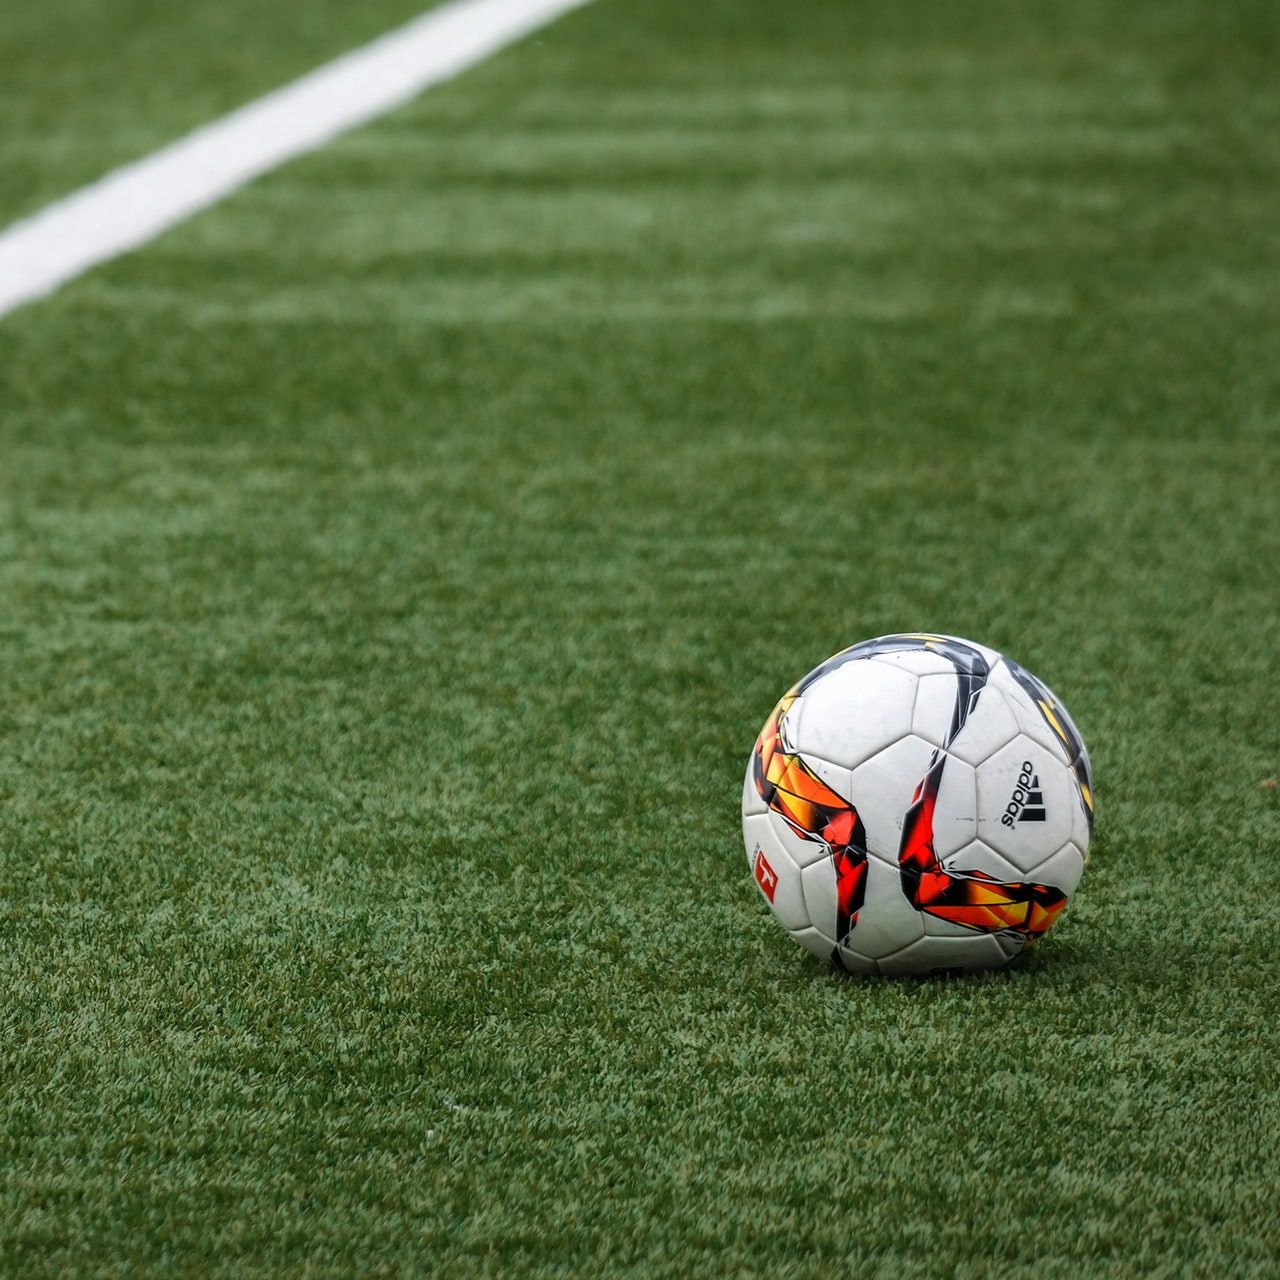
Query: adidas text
{"points": [[1027, 802]]}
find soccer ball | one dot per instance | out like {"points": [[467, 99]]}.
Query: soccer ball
{"points": [[918, 802]]}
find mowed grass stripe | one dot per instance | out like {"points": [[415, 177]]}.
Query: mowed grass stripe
{"points": [[382, 651], [88, 86]]}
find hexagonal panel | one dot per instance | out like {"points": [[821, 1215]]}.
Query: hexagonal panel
{"points": [[883, 789], [936, 927], [928, 954], [852, 712], [925, 648], [776, 875], [836, 776], [855, 963], [1063, 869], [887, 921], [1025, 800], [935, 706], [815, 942]]}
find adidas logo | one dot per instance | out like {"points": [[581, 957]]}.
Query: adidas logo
{"points": [[1027, 802]]}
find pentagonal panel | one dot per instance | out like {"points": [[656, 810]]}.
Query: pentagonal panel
{"points": [[752, 801], [1082, 758], [815, 942], [887, 921], [981, 857], [1081, 826], [976, 857], [852, 712], [1065, 722], [818, 882], [776, 875], [989, 725], [883, 789], [935, 708], [1025, 799], [928, 954], [982, 906], [1030, 717], [984, 860], [1051, 710], [1063, 870]]}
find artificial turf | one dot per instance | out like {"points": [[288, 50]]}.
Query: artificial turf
{"points": [[397, 562], [87, 85]]}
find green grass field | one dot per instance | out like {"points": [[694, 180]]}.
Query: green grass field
{"points": [[397, 563]]}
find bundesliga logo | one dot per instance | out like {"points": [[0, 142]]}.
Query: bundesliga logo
{"points": [[766, 877]]}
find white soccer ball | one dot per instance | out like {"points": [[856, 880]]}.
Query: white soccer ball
{"points": [[918, 802]]}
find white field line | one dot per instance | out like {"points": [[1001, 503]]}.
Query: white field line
{"points": [[137, 202]]}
